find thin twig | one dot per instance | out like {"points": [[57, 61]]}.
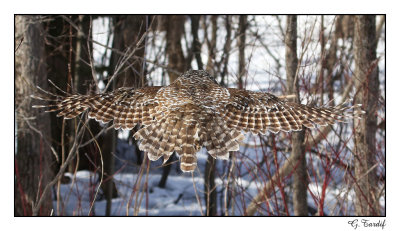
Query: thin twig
{"points": [[125, 59], [26, 120], [19, 44], [71, 155], [102, 169], [197, 195]]}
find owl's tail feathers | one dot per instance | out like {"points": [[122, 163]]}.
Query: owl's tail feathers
{"points": [[219, 139], [188, 145], [172, 133], [327, 115]]}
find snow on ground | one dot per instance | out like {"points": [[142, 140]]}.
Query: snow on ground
{"points": [[179, 197]]}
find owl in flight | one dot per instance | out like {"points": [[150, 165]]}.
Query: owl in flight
{"points": [[195, 111]]}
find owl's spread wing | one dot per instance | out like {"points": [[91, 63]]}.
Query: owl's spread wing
{"points": [[258, 112], [194, 112], [126, 106]]}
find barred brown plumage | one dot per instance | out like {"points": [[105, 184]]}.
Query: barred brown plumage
{"points": [[195, 111]]}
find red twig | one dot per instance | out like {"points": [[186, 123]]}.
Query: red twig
{"points": [[21, 191]]}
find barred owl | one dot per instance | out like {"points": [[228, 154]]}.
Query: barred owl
{"points": [[195, 111]]}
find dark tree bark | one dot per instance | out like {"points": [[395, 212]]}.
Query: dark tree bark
{"points": [[367, 85], [300, 180], [60, 42], [242, 45], [227, 49], [212, 45], [330, 61], [210, 193], [166, 170], [176, 59], [83, 84], [107, 144], [345, 26], [33, 155], [57, 47], [321, 77], [196, 45], [127, 33]]}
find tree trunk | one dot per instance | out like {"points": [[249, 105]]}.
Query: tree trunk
{"points": [[83, 84], [127, 33], [33, 155], [58, 57], [212, 45], [227, 50], [242, 46], [300, 181], [176, 59], [367, 85], [166, 170], [196, 45], [330, 62], [210, 193]]}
